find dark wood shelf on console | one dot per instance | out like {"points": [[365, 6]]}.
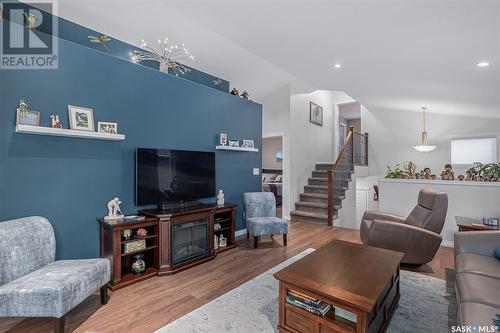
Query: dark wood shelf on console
{"points": [[224, 214], [112, 248]]}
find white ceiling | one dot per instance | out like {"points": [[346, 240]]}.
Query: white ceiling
{"points": [[394, 54]]}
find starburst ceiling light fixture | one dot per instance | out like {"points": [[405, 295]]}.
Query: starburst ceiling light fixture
{"points": [[167, 56], [424, 147]]}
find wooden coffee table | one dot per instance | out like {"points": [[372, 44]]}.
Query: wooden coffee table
{"points": [[470, 224], [362, 280]]}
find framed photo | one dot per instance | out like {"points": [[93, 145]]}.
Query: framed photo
{"points": [[234, 143], [28, 118], [107, 127], [248, 144], [316, 114], [223, 139], [81, 119]]}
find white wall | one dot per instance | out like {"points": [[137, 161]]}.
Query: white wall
{"points": [[276, 122], [310, 143], [393, 133]]}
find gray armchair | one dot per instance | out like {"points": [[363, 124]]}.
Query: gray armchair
{"points": [[417, 236], [260, 216], [33, 284]]}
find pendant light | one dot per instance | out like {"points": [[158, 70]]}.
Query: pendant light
{"points": [[423, 147]]}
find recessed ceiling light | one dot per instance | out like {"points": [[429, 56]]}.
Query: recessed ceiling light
{"points": [[337, 65], [483, 64]]}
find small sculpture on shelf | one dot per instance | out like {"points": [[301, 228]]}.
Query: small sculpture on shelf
{"points": [[245, 95], [222, 241], [56, 123], [141, 233], [126, 234], [138, 266], [471, 175], [461, 177], [235, 92], [410, 169], [23, 106], [447, 173], [217, 227], [220, 198], [426, 173], [114, 211]]}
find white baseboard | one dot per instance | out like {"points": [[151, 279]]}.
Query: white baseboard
{"points": [[241, 232], [447, 243]]}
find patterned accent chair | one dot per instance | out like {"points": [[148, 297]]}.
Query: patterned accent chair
{"points": [[33, 284], [260, 216]]}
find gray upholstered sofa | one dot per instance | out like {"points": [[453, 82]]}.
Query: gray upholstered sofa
{"points": [[33, 284], [477, 281], [260, 216], [417, 236]]}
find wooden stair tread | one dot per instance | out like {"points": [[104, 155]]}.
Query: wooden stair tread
{"points": [[309, 214], [316, 204]]}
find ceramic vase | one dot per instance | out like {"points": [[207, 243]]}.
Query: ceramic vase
{"points": [[139, 266]]}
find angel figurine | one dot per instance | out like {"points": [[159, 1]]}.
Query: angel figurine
{"points": [[114, 211], [220, 198]]}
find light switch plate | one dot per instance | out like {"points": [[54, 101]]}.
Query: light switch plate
{"points": [[256, 171]]}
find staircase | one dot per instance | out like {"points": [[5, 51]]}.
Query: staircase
{"points": [[325, 190], [313, 204]]}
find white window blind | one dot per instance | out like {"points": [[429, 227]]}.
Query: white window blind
{"points": [[468, 151]]}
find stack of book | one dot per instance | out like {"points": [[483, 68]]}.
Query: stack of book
{"points": [[307, 303]]}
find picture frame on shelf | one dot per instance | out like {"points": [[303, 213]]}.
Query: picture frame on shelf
{"points": [[234, 143], [248, 144], [81, 119], [107, 127], [28, 117], [315, 114], [223, 139]]}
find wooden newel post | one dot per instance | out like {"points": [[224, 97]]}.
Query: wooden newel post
{"points": [[366, 148], [330, 198], [351, 130]]}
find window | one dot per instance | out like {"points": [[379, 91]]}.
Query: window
{"points": [[468, 151]]}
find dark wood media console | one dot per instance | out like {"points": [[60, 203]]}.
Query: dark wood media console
{"points": [[170, 222]]}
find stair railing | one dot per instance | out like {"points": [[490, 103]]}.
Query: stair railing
{"points": [[360, 147], [337, 175]]}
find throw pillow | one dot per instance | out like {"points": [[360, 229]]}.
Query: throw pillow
{"points": [[497, 253]]}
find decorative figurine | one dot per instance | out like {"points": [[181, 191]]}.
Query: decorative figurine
{"points": [[222, 241], [234, 92], [139, 266], [245, 95], [55, 121], [141, 233], [433, 177], [23, 106], [100, 40], [114, 211], [461, 177], [216, 242], [426, 174], [447, 173], [410, 169], [127, 233], [217, 227], [471, 175], [220, 198]]}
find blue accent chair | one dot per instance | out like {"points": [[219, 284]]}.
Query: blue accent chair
{"points": [[260, 216], [33, 283]]}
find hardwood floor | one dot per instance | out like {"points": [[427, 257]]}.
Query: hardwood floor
{"points": [[151, 304]]}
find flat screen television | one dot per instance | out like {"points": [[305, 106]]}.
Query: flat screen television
{"points": [[165, 176]]}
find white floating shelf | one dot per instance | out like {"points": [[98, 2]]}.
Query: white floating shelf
{"points": [[69, 133], [254, 150]]}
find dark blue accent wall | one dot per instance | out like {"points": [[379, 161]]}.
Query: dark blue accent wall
{"points": [[70, 180]]}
